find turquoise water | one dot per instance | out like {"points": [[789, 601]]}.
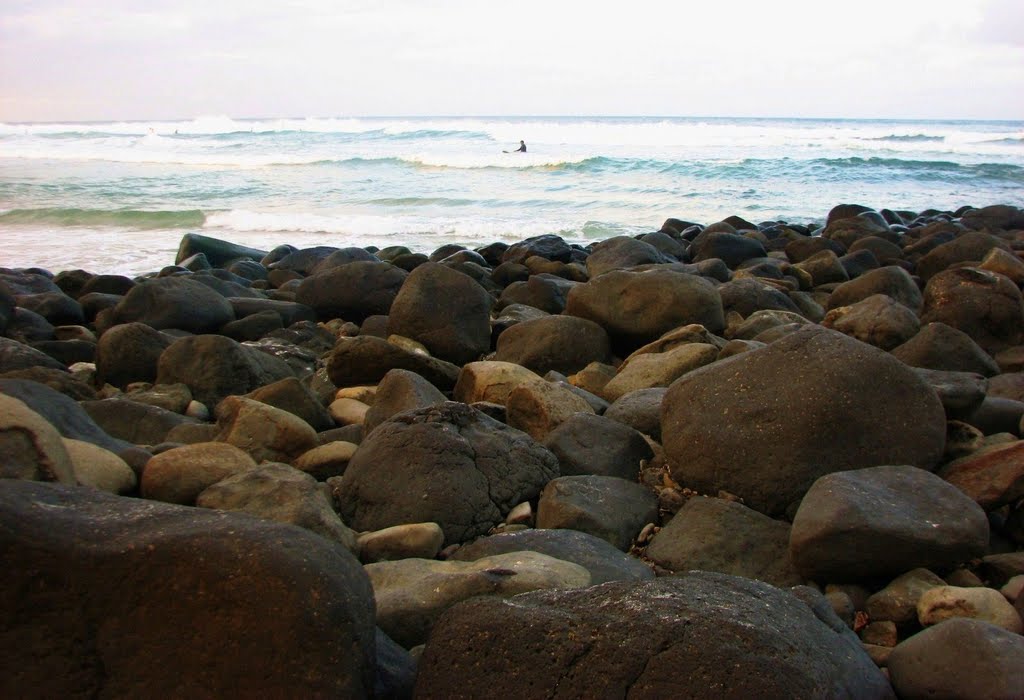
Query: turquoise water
{"points": [[118, 196]]}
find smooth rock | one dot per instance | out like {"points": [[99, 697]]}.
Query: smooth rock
{"points": [[991, 477], [180, 474], [366, 359], [31, 446], [897, 601], [985, 604], [265, 433], [537, 408], [400, 390], [100, 468], [282, 493], [327, 460], [591, 444], [695, 635], [712, 534], [491, 381], [604, 506], [218, 595], [412, 541], [883, 521], [412, 593], [564, 344]]}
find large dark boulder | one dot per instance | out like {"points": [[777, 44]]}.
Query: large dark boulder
{"points": [[544, 291], [985, 305], [400, 390], [291, 395], [589, 444], [56, 307], [972, 246], [765, 424], [993, 218], [959, 658], [446, 311], [697, 635], [941, 347], [342, 257], [636, 308], [365, 359], [302, 261], [175, 302], [217, 252], [622, 253], [565, 344], [713, 534], [603, 561], [15, 355], [214, 366], [118, 597], [134, 422], [893, 281], [63, 413], [353, 291], [449, 464], [288, 311], [731, 248], [747, 295], [128, 353], [547, 246], [884, 521]]}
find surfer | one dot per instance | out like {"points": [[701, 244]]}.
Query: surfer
{"points": [[521, 149]]}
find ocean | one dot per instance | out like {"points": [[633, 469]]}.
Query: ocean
{"points": [[116, 197]]}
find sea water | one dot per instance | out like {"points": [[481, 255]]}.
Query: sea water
{"points": [[118, 196]]}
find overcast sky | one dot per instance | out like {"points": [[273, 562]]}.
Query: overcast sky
{"points": [[118, 59]]}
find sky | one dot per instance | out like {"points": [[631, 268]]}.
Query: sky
{"points": [[67, 60]]}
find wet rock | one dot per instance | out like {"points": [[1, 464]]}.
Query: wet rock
{"points": [[180, 474], [15, 355], [810, 396], [892, 281], [653, 370], [878, 320], [591, 444], [400, 390], [622, 253], [134, 422], [352, 291], [882, 521], [712, 534], [282, 493], [175, 302], [942, 347], [984, 305], [266, 433], [412, 593], [366, 359], [564, 344], [448, 464], [77, 555], [604, 506], [959, 658], [573, 641], [641, 410]]}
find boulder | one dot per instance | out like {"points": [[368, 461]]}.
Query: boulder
{"points": [[175, 302], [614, 509], [897, 602], [892, 281], [653, 370], [699, 634], [282, 493], [56, 307], [636, 308], [543, 292], [342, 258], [302, 261], [326, 461], [1004, 263], [985, 305], [291, 395], [15, 355], [850, 229], [992, 477], [590, 444], [884, 521], [449, 464], [32, 448], [765, 424], [353, 291], [961, 393], [547, 246], [599, 557], [412, 541], [412, 593], [537, 408], [100, 468], [993, 218], [731, 248], [71, 385], [969, 247], [100, 587], [180, 474], [824, 267], [64, 414], [959, 658], [491, 381], [941, 347], [713, 534], [134, 422], [747, 295], [445, 310], [219, 253], [288, 312], [640, 410], [878, 320], [266, 433], [563, 344], [214, 367], [977, 603], [400, 390], [366, 359], [622, 253]]}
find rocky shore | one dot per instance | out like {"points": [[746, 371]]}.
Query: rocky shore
{"points": [[733, 460]]}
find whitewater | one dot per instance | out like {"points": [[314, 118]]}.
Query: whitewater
{"points": [[118, 196]]}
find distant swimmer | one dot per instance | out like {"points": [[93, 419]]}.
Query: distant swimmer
{"points": [[521, 149]]}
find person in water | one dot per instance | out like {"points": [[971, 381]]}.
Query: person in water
{"points": [[522, 147]]}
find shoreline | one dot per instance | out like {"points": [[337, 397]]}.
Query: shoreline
{"points": [[389, 463]]}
